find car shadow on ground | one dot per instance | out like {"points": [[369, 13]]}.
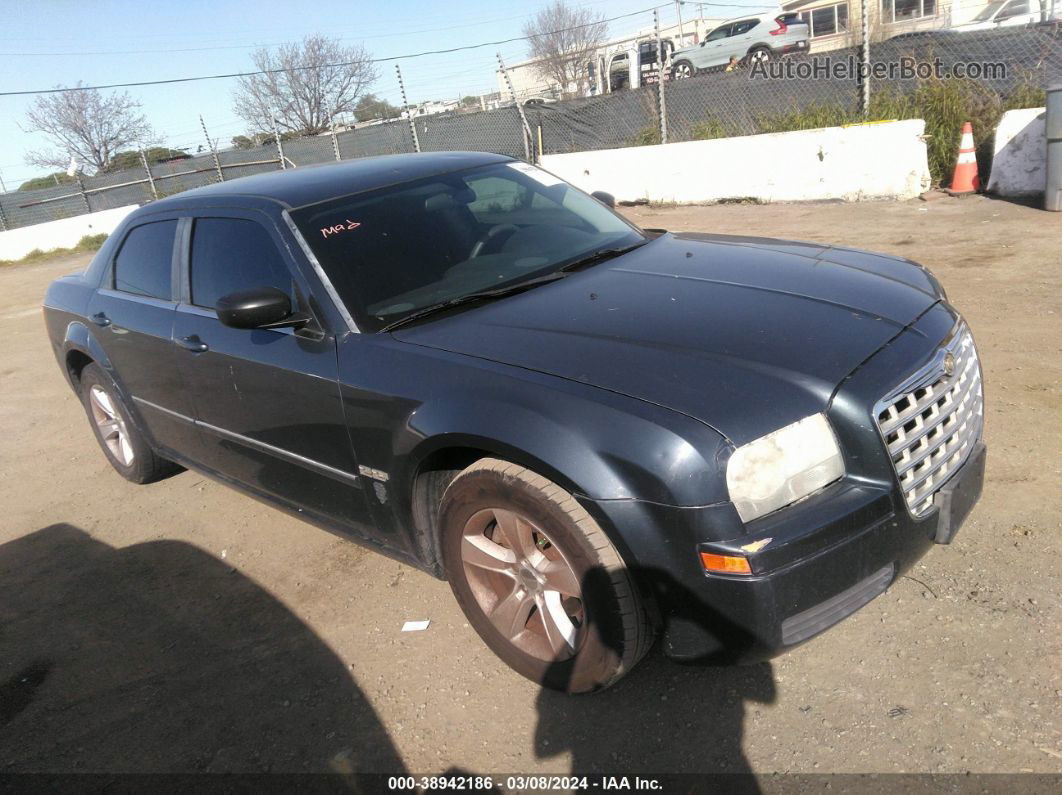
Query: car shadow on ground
{"points": [[663, 718], [158, 657]]}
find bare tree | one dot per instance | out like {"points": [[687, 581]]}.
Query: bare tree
{"points": [[304, 84], [86, 125], [562, 39]]}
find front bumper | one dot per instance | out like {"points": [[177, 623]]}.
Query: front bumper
{"points": [[827, 558]]}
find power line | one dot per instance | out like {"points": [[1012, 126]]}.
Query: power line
{"points": [[231, 75]]}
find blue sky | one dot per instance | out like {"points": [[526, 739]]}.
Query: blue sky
{"points": [[44, 43]]}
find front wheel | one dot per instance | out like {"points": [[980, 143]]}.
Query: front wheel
{"points": [[682, 69], [539, 580]]}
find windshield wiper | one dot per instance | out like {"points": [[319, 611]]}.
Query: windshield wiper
{"points": [[599, 256], [481, 295]]}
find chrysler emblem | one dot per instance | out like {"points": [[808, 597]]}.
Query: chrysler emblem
{"points": [[949, 364]]}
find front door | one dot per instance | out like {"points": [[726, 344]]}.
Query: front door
{"points": [[267, 401]]}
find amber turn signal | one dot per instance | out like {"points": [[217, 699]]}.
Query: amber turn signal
{"points": [[726, 564]]}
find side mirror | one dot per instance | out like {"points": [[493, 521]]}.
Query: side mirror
{"points": [[605, 198], [261, 307]]}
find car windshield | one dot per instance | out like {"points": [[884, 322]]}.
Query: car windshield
{"points": [[392, 252], [989, 11]]}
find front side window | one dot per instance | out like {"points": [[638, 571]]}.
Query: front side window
{"points": [[231, 254], [393, 251], [1013, 9], [719, 33], [145, 261]]}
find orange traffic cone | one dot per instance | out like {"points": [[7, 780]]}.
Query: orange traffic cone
{"points": [[965, 179]]}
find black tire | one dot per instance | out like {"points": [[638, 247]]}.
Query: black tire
{"points": [[613, 630], [759, 54], [141, 463], [682, 69]]}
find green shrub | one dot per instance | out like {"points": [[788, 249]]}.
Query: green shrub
{"points": [[647, 136], [712, 127]]}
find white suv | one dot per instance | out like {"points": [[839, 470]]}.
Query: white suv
{"points": [[755, 38], [1003, 14]]}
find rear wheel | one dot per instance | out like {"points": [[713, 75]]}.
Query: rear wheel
{"points": [[539, 580], [122, 443], [682, 69], [759, 54]]}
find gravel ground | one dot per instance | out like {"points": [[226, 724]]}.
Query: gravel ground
{"points": [[184, 627]]}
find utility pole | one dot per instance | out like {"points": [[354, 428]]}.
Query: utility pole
{"points": [[409, 113], [682, 35], [3, 187]]}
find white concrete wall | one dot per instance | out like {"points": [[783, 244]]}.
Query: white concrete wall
{"points": [[1019, 162], [886, 160], [64, 233]]}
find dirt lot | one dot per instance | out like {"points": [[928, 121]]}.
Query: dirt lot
{"points": [[184, 627]]}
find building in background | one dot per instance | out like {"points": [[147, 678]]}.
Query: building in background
{"points": [[836, 25]]}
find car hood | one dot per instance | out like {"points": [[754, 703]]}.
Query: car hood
{"points": [[745, 334]]}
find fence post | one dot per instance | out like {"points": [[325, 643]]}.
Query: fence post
{"points": [[660, 78], [335, 138], [280, 144], [213, 149], [529, 152], [84, 196], [3, 218], [405, 107], [150, 176], [864, 68]]}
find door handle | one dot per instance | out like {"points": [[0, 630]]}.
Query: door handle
{"points": [[100, 319], [192, 343]]}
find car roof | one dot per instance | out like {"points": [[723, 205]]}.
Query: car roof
{"points": [[295, 187]]}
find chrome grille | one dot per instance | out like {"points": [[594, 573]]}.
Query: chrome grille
{"points": [[931, 424]]}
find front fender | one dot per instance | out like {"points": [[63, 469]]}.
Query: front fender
{"points": [[404, 403]]}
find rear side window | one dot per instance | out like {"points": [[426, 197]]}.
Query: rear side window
{"points": [[230, 254], [744, 26], [145, 260]]}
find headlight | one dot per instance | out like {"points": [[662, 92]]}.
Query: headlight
{"points": [[783, 467]]}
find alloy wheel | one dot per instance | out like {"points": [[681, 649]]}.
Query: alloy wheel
{"points": [[110, 425], [523, 583]]}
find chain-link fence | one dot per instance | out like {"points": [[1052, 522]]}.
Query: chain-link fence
{"points": [[1004, 68]]}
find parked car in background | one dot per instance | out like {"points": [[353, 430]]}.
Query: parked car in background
{"points": [[753, 38], [596, 433], [1004, 13]]}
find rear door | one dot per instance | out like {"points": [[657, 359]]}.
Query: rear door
{"points": [[132, 316], [266, 401], [743, 36]]}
